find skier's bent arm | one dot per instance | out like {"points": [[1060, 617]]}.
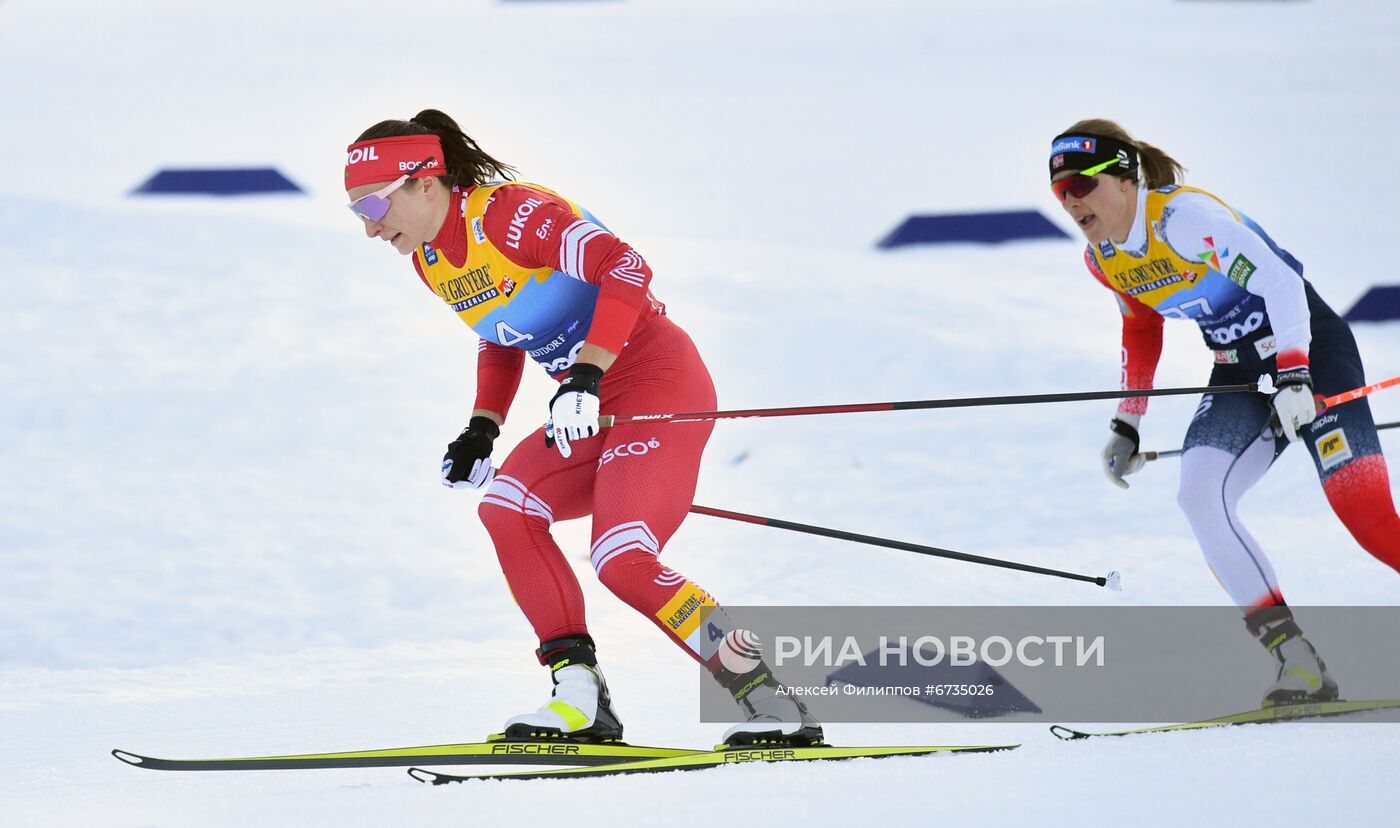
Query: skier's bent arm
{"points": [[596, 355]]}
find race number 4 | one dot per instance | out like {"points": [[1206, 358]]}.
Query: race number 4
{"points": [[507, 335]]}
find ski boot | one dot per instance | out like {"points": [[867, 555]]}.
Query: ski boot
{"points": [[1302, 675], [580, 707], [774, 718]]}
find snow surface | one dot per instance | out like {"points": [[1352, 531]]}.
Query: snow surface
{"points": [[221, 529]]}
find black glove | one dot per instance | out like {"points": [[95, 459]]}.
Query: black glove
{"points": [[467, 463]]}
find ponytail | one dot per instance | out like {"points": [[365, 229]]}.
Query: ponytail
{"points": [[1155, 168], [1158, 169], [466, 163]]}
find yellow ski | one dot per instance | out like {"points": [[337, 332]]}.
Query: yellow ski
{"points": [[1264, 715], [712, 759], [495, 751]]}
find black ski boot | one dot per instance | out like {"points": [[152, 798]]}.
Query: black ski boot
{"points": [[774, 717]]}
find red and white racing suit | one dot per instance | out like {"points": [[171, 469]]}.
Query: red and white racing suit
{"points": [[536, 275]]}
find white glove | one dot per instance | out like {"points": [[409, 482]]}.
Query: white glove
{"points": [[573, 412], [1120, 455], [1293, 402]]}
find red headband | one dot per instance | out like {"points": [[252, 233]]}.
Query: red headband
{"points": [[385, 159]]}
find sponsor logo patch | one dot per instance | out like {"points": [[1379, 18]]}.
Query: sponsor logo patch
{"points": [[477, 232], [1229, 357], [1225, 334], [1144, 273], [468, 289], [1332, 449], [1323, 421], [636, 448], [528, 748], [761, 755], [549, 347], [429, 254], [517, 221], [1074, 144], [361, 154], [1240, 270], [1267, 347], [563, 362], [685, 612], [1151, 286], [475, 300], [1210, 256]]}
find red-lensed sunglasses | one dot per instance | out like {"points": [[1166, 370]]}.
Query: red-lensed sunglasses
{"points": [[1081, 183], [375, 206]]}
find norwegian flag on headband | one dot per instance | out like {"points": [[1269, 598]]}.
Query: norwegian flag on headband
{"points": [[385, 159]]}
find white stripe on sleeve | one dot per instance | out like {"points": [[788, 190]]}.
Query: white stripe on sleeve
{"points": [[572, 244]]}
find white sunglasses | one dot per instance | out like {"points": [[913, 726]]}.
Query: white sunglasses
{"points": [[375, 206]]}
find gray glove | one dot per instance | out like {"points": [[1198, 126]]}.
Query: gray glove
{"points": [[1120, 456]]}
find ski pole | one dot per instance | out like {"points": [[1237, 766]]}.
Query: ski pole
{"points": [[1327, 402], [1358, 393], [1112, 580], [1161, 455], [609, 420]]}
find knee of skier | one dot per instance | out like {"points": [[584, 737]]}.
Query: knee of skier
{"points": [[508, 506], [621, 572], [1199, 500], [1378, 534], [490, 515], [622, 549]]}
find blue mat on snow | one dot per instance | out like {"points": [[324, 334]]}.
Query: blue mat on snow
{"points": [[222, 182], [987, 228], [1379, 304]]}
